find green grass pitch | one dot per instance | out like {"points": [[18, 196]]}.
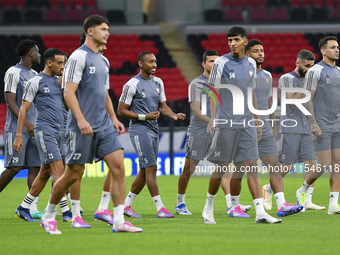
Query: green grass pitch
{"points": [[312, 232]]}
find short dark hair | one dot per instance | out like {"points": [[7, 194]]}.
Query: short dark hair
{"points": [[93, 21], [50, 54], [252, 43], [210, 52], [142, 55], [235, 31], [67, 56], [323, 41], [25, 46], [305, 55], [82, 38]]}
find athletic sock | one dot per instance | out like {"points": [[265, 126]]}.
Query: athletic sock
{"points": [[129, 199], [34, 205], [75, 208], [333, 199], [50, 212], [280, 199], [228, 200], [258, 202], [27, 201], [104, 202], [209, 204], [269, 188], [63, 205], [118, 213], [304, 187], [180, 199], [235, 201], [69, 196], [309, 195], [158, 202]]}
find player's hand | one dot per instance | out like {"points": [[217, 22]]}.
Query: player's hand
{"points": [[29, 128], [60, 79], [85, 127], [259, 133], [179, 117], [316, 129], [211, 127], [119, 126], [18, 143], [275, 134], [152, 116]]}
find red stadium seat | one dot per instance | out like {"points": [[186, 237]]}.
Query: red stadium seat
{"points": [[19, 3], [249, 3], [92, 12], [260, 3], [318, 3], [55, 3], [227, 3], [54, 16], [279, 14], [259, 15], [294, 3], [67, 3], [337, 3], [91, 3], [238, 3], [335, 14], [7, 3], [329, 3], [306, 3], [75, 16], [233, 15], [79, 4]]}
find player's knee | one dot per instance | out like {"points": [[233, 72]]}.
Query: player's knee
{"points": [[15, 169]]}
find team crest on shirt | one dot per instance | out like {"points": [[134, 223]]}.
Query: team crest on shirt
{"points": [[328, 80], [46, 89], [232, 74], [267, 80], [92, 69], [157, 89], [251, 73]]}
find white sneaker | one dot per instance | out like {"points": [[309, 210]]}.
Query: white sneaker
{"points": [[311, 206], [300, 199], [266, 218], [334, 210], [267, 197], [245, 208], [208, 217]]}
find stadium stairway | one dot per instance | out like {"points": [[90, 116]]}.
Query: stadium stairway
{"points": [[179, 51]]}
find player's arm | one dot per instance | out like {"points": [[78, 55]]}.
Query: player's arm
{"points": [[272, 116], [166, 111], [123, 111], [311, 83], [12, 106], [195, 107], [109, 108], [309, 106], [257, 117], [73, 104], [18, 142], [211, 123]]}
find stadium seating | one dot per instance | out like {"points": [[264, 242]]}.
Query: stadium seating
{"points": [[233, 15], [54, 16], [122, 53], [281, 49], [259, 15], [279, 14], [3, 111]]}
